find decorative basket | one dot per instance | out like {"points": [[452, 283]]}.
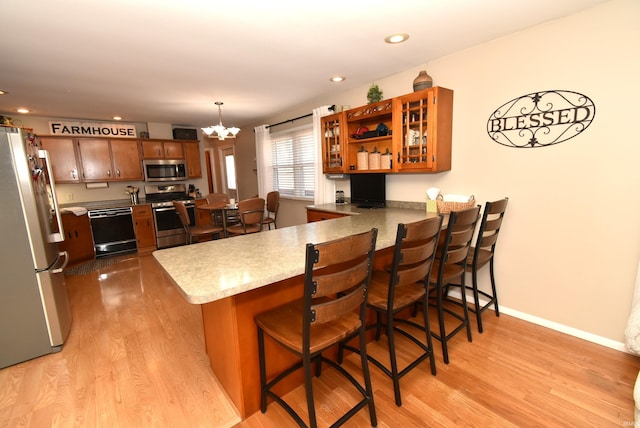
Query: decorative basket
{"points": [[446, 207]]}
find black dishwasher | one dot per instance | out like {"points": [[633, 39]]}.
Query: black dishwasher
{"points": [[112, 230]]}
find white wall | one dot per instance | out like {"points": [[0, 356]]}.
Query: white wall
{"points": [[571, 236]]}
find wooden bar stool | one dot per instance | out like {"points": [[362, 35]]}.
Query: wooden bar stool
{"points": [[449, 269], [482, 254], [336, 282], [402, 286]]}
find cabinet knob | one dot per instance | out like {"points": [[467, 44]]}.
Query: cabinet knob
{"points": [[118, 172], [108, 173]]}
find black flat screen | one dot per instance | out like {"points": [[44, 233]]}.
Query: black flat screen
{"points": [[368, 190]]}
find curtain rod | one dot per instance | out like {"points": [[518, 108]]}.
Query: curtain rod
{"points": [[332, 108]]}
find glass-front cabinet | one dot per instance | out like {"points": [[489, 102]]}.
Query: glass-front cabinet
{"points": [[423, 120], [333, 149], [406, 134]]}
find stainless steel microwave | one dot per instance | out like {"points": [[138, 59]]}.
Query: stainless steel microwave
{"points": [[164, 169]]}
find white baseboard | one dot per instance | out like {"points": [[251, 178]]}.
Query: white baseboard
{"points": [[618, 346]]}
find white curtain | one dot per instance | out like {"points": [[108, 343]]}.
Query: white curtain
{"points": [[263, 160], [325, 189]]}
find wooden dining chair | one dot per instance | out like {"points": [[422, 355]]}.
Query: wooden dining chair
{"points": [[482, 254], [448, 270], [251, 213], [195, 231], [332, 308], [400, 287], [273, 205]]}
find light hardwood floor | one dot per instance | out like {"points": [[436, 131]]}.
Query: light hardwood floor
{"points": [[135, 358]]}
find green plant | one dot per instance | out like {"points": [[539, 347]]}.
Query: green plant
{"points": [[375, 94]]}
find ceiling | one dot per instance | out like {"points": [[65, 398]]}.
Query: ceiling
{"points": [[167, 61]]}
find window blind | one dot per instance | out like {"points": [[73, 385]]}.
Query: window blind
{"points": [[293, 156]]}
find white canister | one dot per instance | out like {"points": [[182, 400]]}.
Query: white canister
{"points": [[385, 160], [374, 159], [363, 159]]}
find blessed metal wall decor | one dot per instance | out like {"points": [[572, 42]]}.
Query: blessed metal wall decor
{"points": [[541, 119]]}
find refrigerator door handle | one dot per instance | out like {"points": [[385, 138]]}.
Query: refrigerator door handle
{"points": [[64, 264], [57, 236]]}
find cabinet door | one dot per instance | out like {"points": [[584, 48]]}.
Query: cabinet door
{"points": [[192, 152], [126, 160], [78, 242], [173, 150], [331, 138], [144, 227], [64, 161], [96, 159], [424, 121], [152, 149]]}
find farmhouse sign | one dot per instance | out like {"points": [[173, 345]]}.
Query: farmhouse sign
{"points": [[89, 129], [541, 119]]}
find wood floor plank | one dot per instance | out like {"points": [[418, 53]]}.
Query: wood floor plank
{"points": [[136, 358]]}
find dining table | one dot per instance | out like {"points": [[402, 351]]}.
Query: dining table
{"points": [[224, 209]]}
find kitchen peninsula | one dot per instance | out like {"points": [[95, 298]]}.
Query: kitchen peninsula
{"points": [[235, 279]]}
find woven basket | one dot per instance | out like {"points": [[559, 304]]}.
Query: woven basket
{"points": [[447, 207]]}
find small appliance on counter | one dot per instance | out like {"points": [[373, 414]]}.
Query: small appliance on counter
{"points": [[339, 197]]}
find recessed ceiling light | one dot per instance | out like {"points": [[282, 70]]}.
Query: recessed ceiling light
{"points": [[337, 78], [23, 110], [3, 92], [396, 38], [117, 118]]}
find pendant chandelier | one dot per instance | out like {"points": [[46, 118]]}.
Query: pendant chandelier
{"points": [[219, 131]]}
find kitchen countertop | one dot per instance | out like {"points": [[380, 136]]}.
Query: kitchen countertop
{"points": [[210, 271], [94, 205]]}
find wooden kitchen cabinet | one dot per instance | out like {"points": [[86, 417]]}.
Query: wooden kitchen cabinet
{"points": [[202, 216], [370, 116], [110, 160], [162, 149], [144, 228], [78, 241], [418, 134], [317, 215], [332, 141], [127, 164], [192, 152], [64, 159], [423, 121]]}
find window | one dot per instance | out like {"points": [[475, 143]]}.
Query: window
{"points": [[293, 158]]}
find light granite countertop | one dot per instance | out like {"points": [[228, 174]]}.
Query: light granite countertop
{"points": [[212, 270]]}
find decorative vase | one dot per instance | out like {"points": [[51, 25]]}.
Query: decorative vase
{"points": [[423, 81]]}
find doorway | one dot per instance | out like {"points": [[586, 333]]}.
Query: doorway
{"points": [[228, 168]]}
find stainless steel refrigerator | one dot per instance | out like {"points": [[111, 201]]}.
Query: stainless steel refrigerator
{"points": [[35, 316]]}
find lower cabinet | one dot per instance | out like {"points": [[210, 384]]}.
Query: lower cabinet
{"points": [[202, 216], [144, 228], [316, 215], [78, 242]]}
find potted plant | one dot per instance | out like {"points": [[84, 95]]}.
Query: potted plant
{"points": [[375, 94]]}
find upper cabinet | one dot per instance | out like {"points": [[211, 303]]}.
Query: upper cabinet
{"points": [[64, 159], [110, 160], [192, 152], [423, 121], [369, 135], [162, 149], [410, 133], [333, 149]]}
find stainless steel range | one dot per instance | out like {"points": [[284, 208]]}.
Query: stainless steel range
{"points": [[169, 230]]}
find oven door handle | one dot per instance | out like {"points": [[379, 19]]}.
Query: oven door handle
{"points": [[164, 209]]}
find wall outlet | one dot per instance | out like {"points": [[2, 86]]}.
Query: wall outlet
{"points": [[69, 197]]}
